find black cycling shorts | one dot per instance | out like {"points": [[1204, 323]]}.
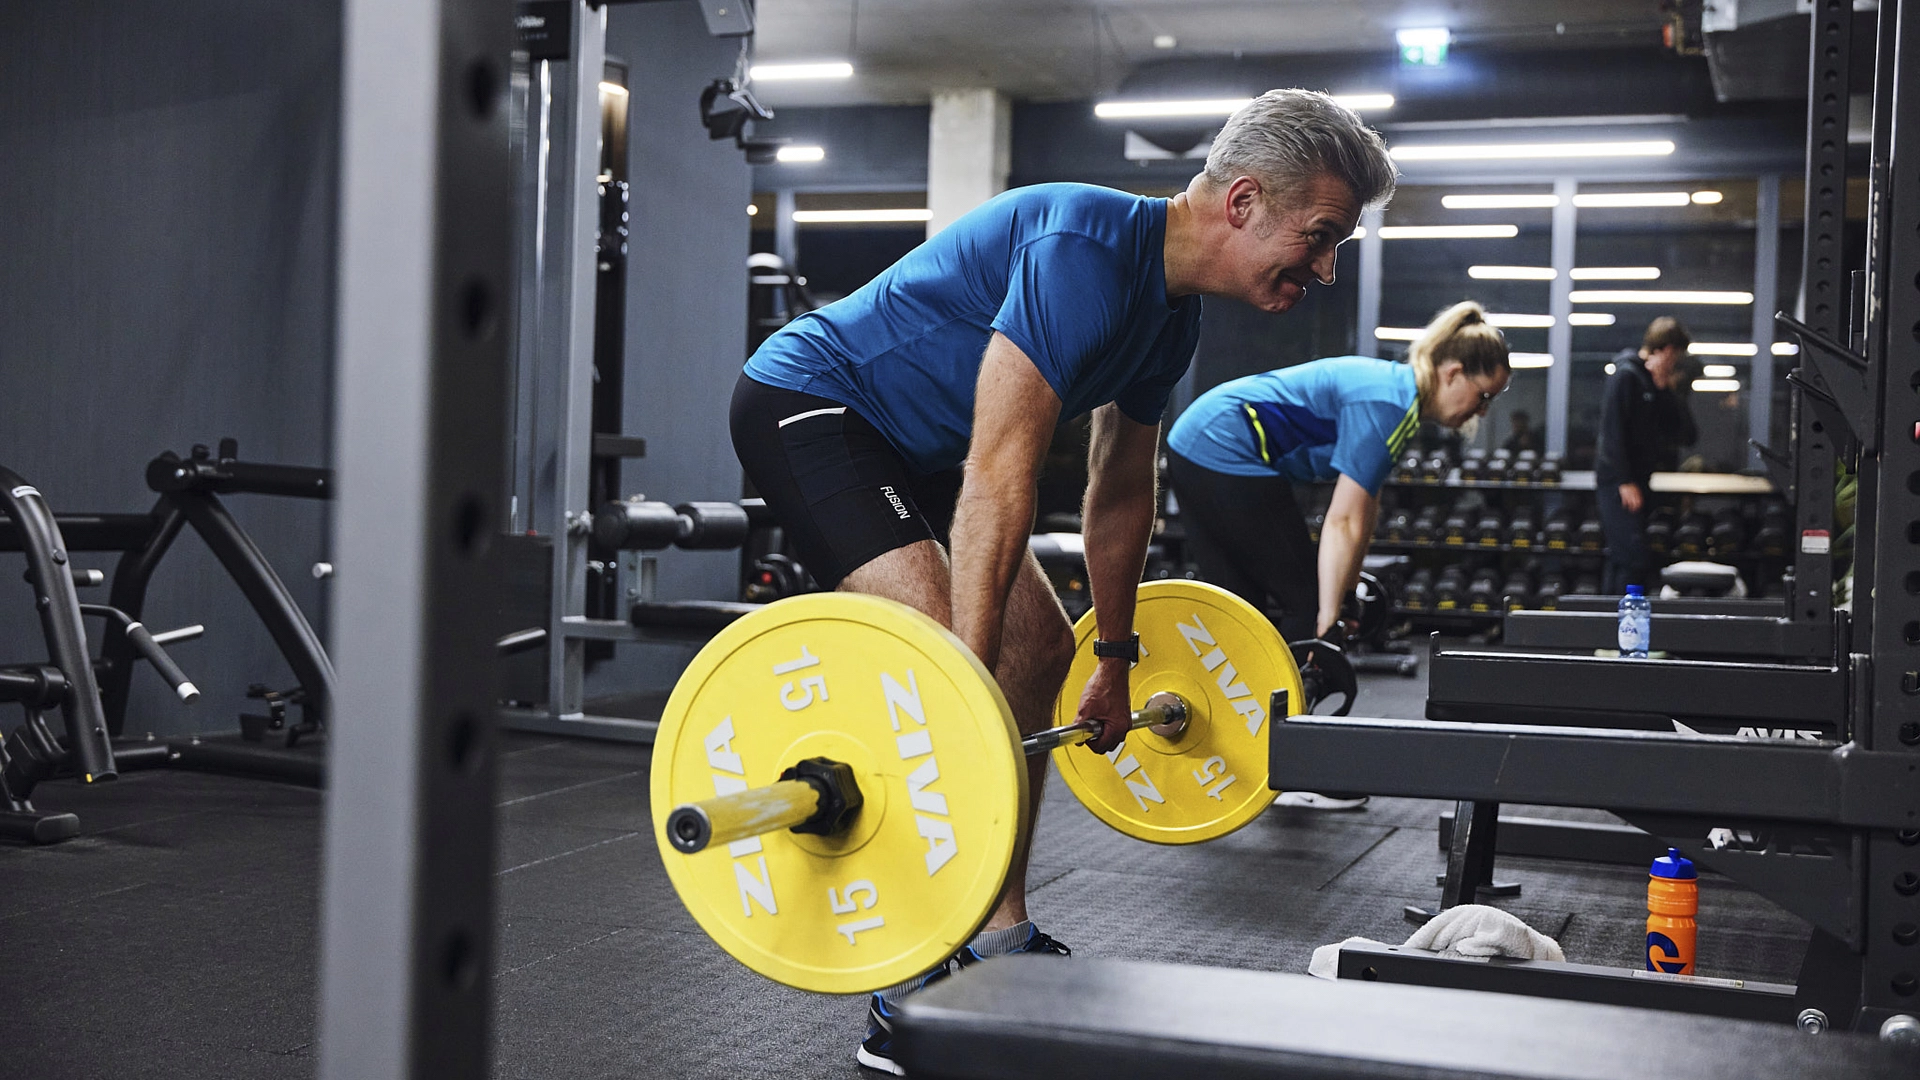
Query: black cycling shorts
{"points": [[842, 492]]}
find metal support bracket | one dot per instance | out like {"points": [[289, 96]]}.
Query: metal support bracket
{"points": [[1847, 377]]}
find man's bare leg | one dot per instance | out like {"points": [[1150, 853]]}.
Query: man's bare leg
{"points": [[1035, 651]]}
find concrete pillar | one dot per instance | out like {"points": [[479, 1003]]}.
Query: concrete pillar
{"points": [[969, 152]]}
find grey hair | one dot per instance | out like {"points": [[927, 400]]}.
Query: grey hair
{"points": [[1287, 138]]}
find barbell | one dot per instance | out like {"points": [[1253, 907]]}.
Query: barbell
{"points": [[838, 784]]}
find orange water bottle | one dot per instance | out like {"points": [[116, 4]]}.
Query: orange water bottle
{"points": [[1673, 898]]}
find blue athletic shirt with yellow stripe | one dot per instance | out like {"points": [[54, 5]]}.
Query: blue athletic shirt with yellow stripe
{"points": [[1343, 415]]}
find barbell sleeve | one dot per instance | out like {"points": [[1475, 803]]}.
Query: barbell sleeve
{"points": [[724, 819]]}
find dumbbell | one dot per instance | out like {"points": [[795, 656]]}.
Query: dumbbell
{"points": [[1558, 533], [1418, 593], [1473, 466], [1315, 521], [1499, 467], [1548, 472], [1367, 609], [1690, 539], [1449, 588], [1453, 528], [1659, 534], [1590, 536], [1489, 529], [640, 525], [1517, 591], [1433, 468], [837, 784], [1771, 538], [1483, 592], [1547, 597], [1520, 530], [1408, 467], [1584, 585], [1399, 526], [1525, 463], [1426, 526], [1729, 533]]}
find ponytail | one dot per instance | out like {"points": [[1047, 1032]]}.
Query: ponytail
{"points": [[1461, 333]]}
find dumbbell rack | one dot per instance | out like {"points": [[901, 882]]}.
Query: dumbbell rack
{"points": [[1404, 492]]}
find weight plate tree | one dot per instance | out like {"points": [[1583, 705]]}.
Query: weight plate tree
{"points": [[892, 693], [1218, 652]]}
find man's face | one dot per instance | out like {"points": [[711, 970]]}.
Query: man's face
{"points": [[1282, 243], [1459, 397], [1664, 364]]}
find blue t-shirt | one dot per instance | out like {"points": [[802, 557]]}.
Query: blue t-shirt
{"points": [[1070, 273], [1344, 415]]}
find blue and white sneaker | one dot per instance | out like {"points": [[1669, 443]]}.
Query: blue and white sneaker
{"points": [[876, 1050], [1036, 942]]}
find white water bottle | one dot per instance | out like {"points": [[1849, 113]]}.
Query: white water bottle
{"points": [[1636, 622]]}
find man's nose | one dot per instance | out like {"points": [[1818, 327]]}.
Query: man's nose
{"points": [[1323, 266]]}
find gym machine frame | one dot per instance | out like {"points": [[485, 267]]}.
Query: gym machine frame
{"points": [[190, 490], [1829, 828], [570, 254]]}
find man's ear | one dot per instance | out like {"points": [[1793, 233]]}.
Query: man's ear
{"points": [[1243, 195]]}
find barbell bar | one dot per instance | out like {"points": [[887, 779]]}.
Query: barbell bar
{"points": [[821, 796]]}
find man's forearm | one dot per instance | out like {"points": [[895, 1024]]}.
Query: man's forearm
{"points": [[1117, 522], [989, 540]]}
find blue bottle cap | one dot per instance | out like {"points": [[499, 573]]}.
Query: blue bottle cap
{"points": [[1635, 590], [1674, 865]]}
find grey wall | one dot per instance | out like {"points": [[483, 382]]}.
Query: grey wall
{"points": [[686, 278], [166, 279]]}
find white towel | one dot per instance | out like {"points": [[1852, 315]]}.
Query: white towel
{"points": [[1467, 930], [1478, 930]]}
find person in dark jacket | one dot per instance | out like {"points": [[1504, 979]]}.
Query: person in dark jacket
{"points": [[1643, 424]]}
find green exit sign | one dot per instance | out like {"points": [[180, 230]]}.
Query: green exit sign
{"points": [[1423, 47]]}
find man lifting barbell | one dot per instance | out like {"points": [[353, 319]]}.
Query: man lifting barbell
{"points": [[1046, 302]]}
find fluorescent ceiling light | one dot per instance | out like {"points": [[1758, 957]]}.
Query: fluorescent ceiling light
{"points": [[1359, 231], [1530, 359], [1785, 348], [838, 69], [1707, 198], [1448, 232], [842, 217], [1713, 386], [1398, 333], [1509, 320], [752, 210], [1719, 371], [1615, 273], [1659, 296], [1147, 110], [1611, 368], [1722, 348], [613, 88], [1590, 318], [1422, 36], [1499, 202], [1631, 198], [1496, 151], [1133, 110], [791, 154], [1511, 273]]}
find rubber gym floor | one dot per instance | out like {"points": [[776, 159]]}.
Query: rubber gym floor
{"points": [[176, 936]]}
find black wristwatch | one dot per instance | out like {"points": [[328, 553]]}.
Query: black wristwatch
{"points": [[1128, 650]]}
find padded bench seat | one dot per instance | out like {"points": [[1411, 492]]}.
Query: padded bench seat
{"points": [[688, 618], [1033, 1016]]}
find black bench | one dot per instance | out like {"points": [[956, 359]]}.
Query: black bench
{"points": [[1068, 1019]]}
